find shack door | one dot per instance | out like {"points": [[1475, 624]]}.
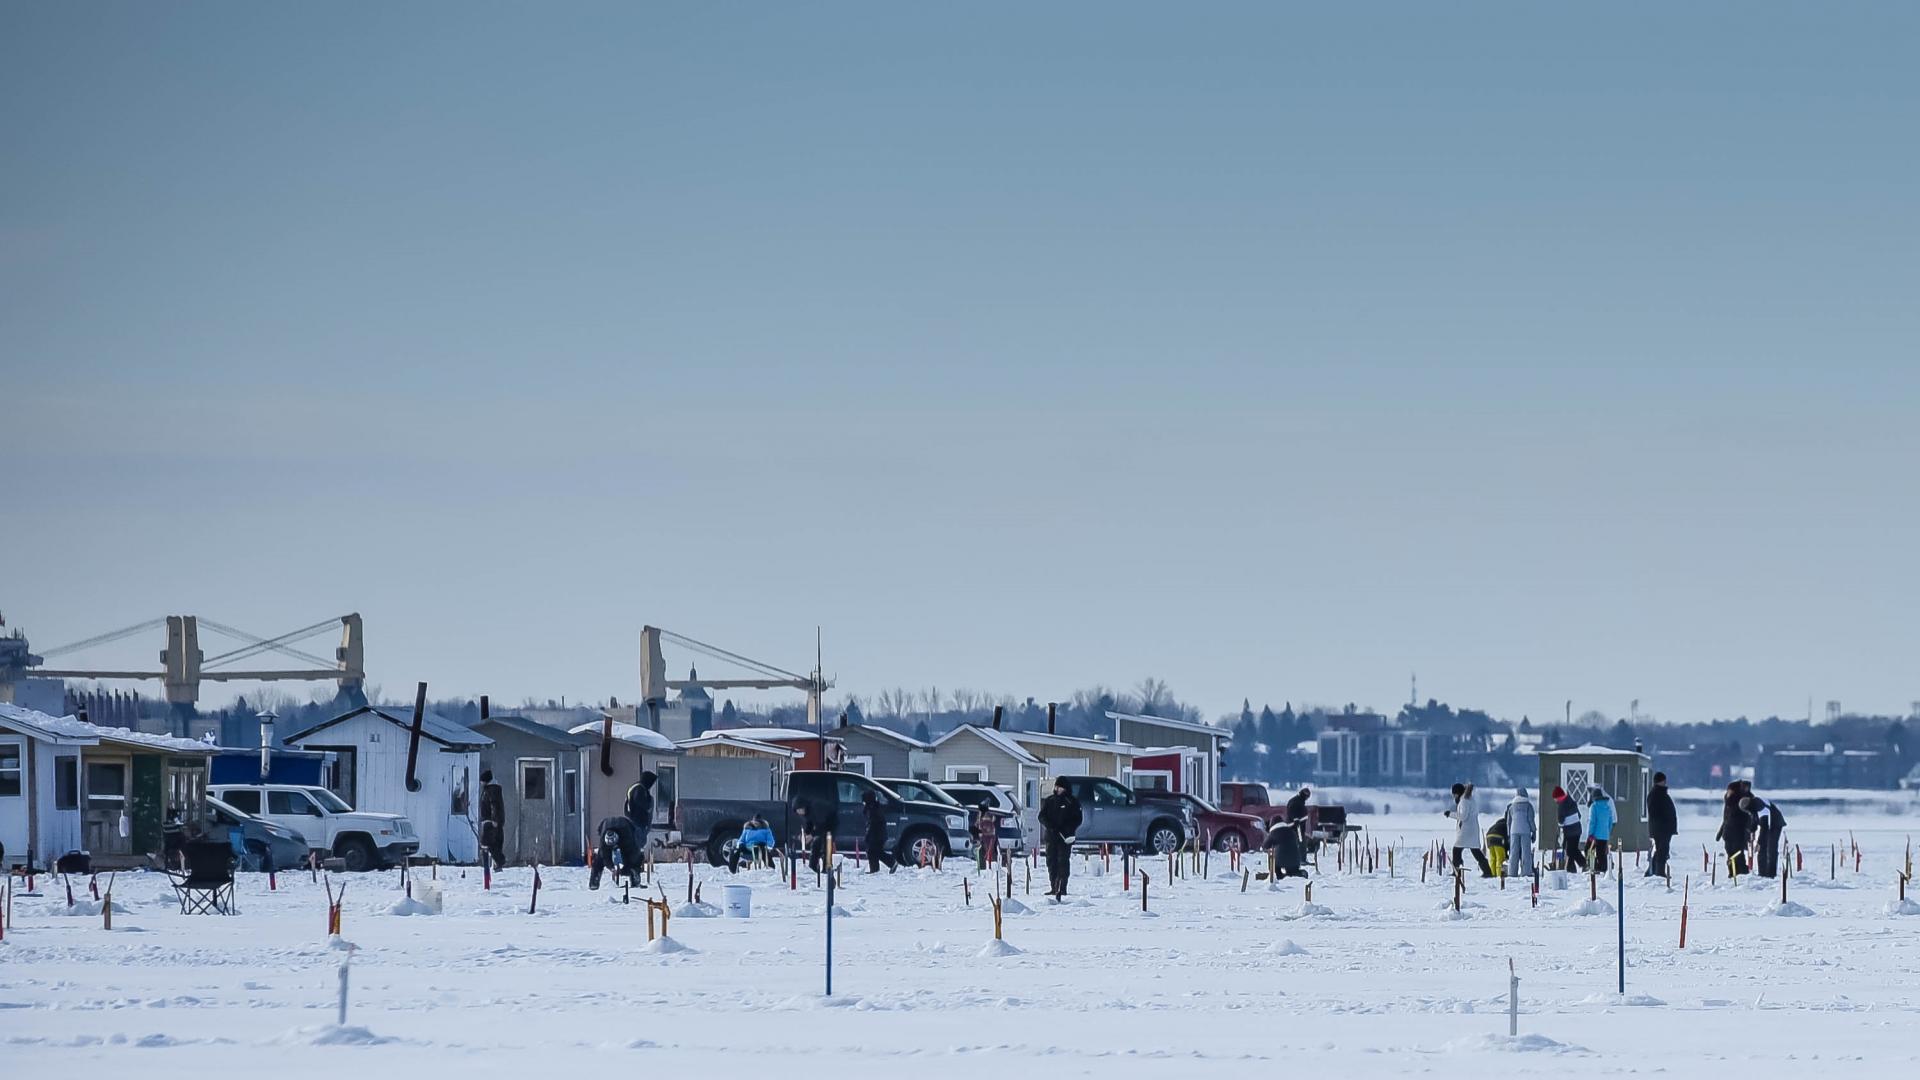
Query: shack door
{"points": [[108, 830], [533, 827], [13, 798]]}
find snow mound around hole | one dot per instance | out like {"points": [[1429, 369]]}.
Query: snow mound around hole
{"points": [[997, 949], [699, 909], [409, 906], [664, 945], [1285, 947], [1512, 1044], [340, 944], [334, 1035], [1587, 908], [1788, 910], [1011, 906], [838, 912], [1644, 1001], [1901, 907], [1306, 910]]}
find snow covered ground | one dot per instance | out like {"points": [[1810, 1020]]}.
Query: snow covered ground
{"points": [[1378, 978]]}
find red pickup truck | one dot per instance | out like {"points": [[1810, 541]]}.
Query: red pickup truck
{"points": [[1325, 824]]}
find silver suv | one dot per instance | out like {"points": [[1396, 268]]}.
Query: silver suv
{"points": [[1111, 814]]}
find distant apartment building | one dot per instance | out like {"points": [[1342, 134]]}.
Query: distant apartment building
{"points": [[1827, 767], [1365, 749]]}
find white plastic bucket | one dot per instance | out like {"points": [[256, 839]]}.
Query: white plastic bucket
{"points": [[738, 901], [428, 893]]}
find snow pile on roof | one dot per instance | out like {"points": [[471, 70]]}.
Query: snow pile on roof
{"points": [[68, 727], [630, 733]]}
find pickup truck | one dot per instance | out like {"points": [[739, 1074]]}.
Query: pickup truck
{"points": [[1111, 814], [913, 828], [1223, 830], [363, 841], [1325, 824]]}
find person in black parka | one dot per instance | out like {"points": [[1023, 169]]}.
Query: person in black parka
{"points": [[1569, 816], [818, 820], [875, 838], [640, 807], [1059, 822], [1663, 824], [617, 840], [1297, 806], [493, 819], [1769, 822]]}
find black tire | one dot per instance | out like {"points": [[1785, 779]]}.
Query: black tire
{"points": [[1230, 840], [721, 842], [1164, 836], [915, 842], [357, 853]]}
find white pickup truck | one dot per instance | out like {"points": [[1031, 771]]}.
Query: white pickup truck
{"points": [[363, 841]]}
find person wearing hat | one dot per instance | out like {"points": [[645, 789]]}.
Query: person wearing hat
{"points": [[1568, 814], [1521, 826], [1663, 824], [1060, 821], [1601, 818], [493, 819]]}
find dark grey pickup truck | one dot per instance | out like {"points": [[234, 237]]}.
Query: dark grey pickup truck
{"points": [[914, 828]]}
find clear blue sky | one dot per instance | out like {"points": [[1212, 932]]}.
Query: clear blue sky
{"points": [[1274, 350]]}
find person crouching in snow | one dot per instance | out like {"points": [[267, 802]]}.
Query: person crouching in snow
{"points": [[1600, 822], [619, 848], [1771, 823], [1497, 845], [1568, 813], [1466, 829], [1520, 831], [1284, 841], [755, 845]]}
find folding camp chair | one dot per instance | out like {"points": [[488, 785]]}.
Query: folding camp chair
{"points": [[207, 886]]}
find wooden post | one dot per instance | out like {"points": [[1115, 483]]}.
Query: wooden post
{"points": [[1459, 886], [966, 890], [1143, 890], [650, 919], [1308, 895], [533, 897], [1245, 876], [1593, 883], [690, 878], [996, 918]]}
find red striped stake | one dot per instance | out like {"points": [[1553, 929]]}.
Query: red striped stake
{"points": [[69, 891], [793, 873], [486, 874], [331, 911], [1126, 874], [533, 903], [1686, 890], [273, 883], [1799, 859]]}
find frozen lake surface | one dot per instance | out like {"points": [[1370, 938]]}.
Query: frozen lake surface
{"points": [[1378, 978]]}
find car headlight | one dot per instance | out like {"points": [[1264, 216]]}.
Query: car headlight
{"points": [[956, 822], [386, 832]]}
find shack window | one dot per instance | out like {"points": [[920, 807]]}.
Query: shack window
{"points": [[66, 782], [533, 781], [462, 776], [10, 769], [571, 785], [106, 785]]}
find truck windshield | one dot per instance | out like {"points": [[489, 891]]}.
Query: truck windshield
{"points": [[332, 803]]}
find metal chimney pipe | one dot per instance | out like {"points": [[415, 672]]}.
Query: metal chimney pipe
{"points": [[996, 718], [413, 740], [485, 713], [1050, 707]]}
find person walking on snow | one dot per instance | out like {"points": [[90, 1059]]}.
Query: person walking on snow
{"points": [[1520, 833], [1060, 822], [1466, 829], [1567, 812], [875, 838], [1663, 824], [1600, 821]]}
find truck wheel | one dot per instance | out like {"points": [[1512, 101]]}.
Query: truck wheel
{"points": [[1229, 840], [357, 853], [919, 844], [1164, 836], [722, 842]]}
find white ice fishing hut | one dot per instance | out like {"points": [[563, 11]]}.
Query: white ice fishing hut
{"points": [[369, 746]]}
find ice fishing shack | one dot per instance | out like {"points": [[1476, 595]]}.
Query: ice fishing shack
{"points": [[1626, 774]]}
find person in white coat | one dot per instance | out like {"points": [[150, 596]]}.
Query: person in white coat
{"points": [[1521, 824], [1466, 829]]}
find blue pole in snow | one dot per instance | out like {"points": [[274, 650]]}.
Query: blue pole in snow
{"points": [[1621, 904], [829, 931]]}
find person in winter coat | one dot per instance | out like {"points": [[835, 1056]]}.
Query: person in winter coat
{"points": [[493, 819], [1601, 817], [1497, 844], [619, 847], [1283, 839], [1769, 822], [1059, 824], [1466, 829], [875, 837], [1567, 812], [1663, 824], [1297, 806], [1735, 827], [640, 807], [1521, 826], [755, 843]]}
